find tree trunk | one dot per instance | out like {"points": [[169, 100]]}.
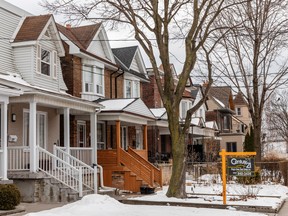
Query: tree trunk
{"points": [[177, 187], [257, 138]]}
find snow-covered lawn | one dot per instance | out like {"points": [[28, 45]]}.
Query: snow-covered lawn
{"points": [[103, 205]]}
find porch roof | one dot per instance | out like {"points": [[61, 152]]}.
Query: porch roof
{"points": [[131, 110], [52, 99]]}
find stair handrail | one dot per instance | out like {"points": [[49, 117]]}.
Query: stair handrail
{"points": [[57, 150], [157, 174], [90, 181], [132, 164], [60, 170]]}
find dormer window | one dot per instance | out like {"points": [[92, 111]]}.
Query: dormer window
{"points": [[46, 63]]}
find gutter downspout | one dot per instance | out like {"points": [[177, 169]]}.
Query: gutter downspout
{"points": [[116, 83], [111, 81]]}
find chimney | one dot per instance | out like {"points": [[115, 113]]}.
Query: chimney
{"points": [[68, 26]]}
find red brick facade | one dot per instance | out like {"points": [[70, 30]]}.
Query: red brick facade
{"points": [[151, 95]]}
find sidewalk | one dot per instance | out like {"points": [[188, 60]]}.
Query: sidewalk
{"points": [[284, 210], [25, 208]]}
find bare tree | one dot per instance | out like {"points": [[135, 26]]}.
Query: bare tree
{"points": [[254, 59], [154, 25], [277, 117]]}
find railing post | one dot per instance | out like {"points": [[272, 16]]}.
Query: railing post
{"points": [[95, 179], [54, 160], [80, 182], [152, 177]]}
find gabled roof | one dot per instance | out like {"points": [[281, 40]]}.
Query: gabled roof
{"points": [[82, 35], [134, 106], [124, 57], [239, 99], [223, 94], [159, 113], [32, 27]]}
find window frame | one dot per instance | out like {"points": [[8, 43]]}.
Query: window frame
{"points": [[52, 63], [96, 85], [231, 146]]}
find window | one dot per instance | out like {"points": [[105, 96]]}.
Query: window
{"points": [[225, 123], [101, 136], [99, 80], [185, 106], [46, 62], [132, 88], [41, 128], [93, 80], [238, 111], [88, 78], [81, 134], [231, 147], [139, 138]]}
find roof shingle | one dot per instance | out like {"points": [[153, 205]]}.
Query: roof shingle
{"points": [[32, 27]]}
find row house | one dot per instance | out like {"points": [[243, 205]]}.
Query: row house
{"points": [[160, 149], [71, 110], [231, 115], [112, 78], [36, 110]]}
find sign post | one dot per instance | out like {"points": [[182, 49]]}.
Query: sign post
{"points": [[237, 167]]}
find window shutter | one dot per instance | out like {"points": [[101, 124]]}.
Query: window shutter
{"points": [[54, 64], [38, 59]]}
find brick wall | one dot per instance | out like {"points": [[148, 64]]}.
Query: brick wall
{"points": [[113, 81], [151, 96], [72, 72]]}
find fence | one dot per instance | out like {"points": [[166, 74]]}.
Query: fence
{"points": [[275, 172]]}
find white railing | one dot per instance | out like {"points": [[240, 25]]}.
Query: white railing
{"points": [[18, 158], [89, 174], [83, 154], [60, 170]]}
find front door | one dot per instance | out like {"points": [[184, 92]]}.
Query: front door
{"points": [[81, 134]]}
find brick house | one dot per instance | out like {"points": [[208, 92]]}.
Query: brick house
{"points": [[112, 78], [158, 132]]}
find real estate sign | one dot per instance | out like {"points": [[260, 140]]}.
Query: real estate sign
{"points": [[241, 166]]}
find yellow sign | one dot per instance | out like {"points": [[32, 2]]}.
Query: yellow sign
{"points": [[223, 155]]}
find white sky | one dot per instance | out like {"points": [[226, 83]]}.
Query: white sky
{"points": [[33, 7]]}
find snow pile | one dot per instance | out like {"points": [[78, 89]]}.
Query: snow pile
{"points": [[101, 205]]}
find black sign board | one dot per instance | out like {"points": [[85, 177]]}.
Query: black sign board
{"points": [[241, 166]]}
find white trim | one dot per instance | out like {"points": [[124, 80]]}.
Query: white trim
{"points": [[24, 43]]}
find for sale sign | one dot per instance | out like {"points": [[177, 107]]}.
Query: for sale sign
{"points": [[241, 166]]}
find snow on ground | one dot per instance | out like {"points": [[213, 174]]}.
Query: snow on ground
{"points": [[103, 205], [237, 194]]}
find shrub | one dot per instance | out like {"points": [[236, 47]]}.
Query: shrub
{"points": [[9, 196], [248, 180]]}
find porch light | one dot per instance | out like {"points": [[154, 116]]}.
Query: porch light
{"points": [[13, 117]]}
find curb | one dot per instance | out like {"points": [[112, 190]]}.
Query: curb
{"points": [[18, 209], [262, 209]]}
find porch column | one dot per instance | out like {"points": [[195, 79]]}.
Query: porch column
{"points": [[118, 140], [67, 129], [4, 158], [93, 129], [32, 136]]}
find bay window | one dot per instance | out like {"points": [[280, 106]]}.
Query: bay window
{"points": [[93, 79]]}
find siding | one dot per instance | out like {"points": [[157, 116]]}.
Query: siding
{"points": [[96, 47], [23, 59], [134, 65], [8, 24]]}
